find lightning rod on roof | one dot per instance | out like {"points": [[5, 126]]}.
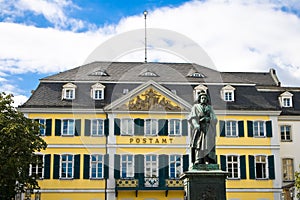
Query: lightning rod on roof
{"points": [[145, 15]]}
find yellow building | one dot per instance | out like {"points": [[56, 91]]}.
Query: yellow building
{"points": [[119, 131]]}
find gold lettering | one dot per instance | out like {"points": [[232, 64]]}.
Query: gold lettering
{"points": [[171, 140], [144, 140], [137, 140], [156, 141], [130, 140], [150, 140], [164, 140]]}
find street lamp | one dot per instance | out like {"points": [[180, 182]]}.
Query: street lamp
{"points": [[37, 195], [145, 15], [292, 193], [282, 196], [28, 194]]}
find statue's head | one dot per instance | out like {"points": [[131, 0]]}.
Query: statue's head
{"points": [[203, 97]]}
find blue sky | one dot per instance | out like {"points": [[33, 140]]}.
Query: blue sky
{"points": [[42, 37]]}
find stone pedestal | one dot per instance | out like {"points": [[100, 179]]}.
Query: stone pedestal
{"points": [[204, 182]]}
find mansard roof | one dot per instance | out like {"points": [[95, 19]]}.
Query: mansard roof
{"points": [[171, 77], [166, 72]]}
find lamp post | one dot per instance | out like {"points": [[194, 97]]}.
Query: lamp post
{"points": [[292, 193], [37, 195], [28, 194], [145, 15]]}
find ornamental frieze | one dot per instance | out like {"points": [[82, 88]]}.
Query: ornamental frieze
{"points": [[151, 100]]}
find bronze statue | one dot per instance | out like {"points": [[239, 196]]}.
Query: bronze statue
{"points": [[203, 122]]}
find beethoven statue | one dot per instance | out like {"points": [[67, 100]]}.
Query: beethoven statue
{"points": [[203, 122]]}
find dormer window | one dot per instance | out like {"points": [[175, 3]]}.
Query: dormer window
{"points": [[68, 91], [227, 93], [100, 72], [97, 91], [195, 74], [198, 89], [148, 73], [285, 99]]}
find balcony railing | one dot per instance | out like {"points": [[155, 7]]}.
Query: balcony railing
{"points": [[151, 182]]}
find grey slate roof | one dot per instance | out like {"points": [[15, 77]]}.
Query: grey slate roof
{"points": [[172, 76], [167, 72]]}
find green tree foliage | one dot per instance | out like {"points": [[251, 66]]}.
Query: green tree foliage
{"points": [[297, 182], [19, 139]]}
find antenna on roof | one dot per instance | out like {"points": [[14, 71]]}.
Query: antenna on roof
{"points": [[145, 15]]}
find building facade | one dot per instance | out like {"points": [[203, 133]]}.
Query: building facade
{"points": [[119, 130]]}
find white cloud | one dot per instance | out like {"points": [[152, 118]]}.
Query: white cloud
{"points": [[54, 11], [238, 35]]}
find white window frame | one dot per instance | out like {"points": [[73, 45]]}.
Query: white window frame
{"points": [[265, 166], [283, 129], [96, 163], [173, 127], [99, 123], [68, 89], [69, 132], [37, 167], [153, 166], [67, 162], [98, 87], [127, 165], [152, 124], [225, 91], [286, 99], [173, 160], [233, 163], [229, 129], [127, 125], [259, 128], [288, 168]]}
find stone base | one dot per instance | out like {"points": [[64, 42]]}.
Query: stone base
{"points": [[204, 182]]}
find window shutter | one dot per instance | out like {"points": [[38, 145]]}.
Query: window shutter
{"points": [[241, 128], [86, 166], [48, 127], [56, 166], [251, 167], [106, 166], [117, 123], [222, 128], [185, 163], [138, 126], [243, 167], [117, 165], [87, 127], [77, 166], [162, 127], [184, 128], [271, 167], [106, 127], [57, 127], [47, 162], [163, 169], [223, 163], [250, 128], [139, 169], [269, 128], [77, 127]]}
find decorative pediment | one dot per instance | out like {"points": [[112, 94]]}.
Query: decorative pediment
{"points": [[150, 96], [69, 85], [151, 99], [98, 86]]}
